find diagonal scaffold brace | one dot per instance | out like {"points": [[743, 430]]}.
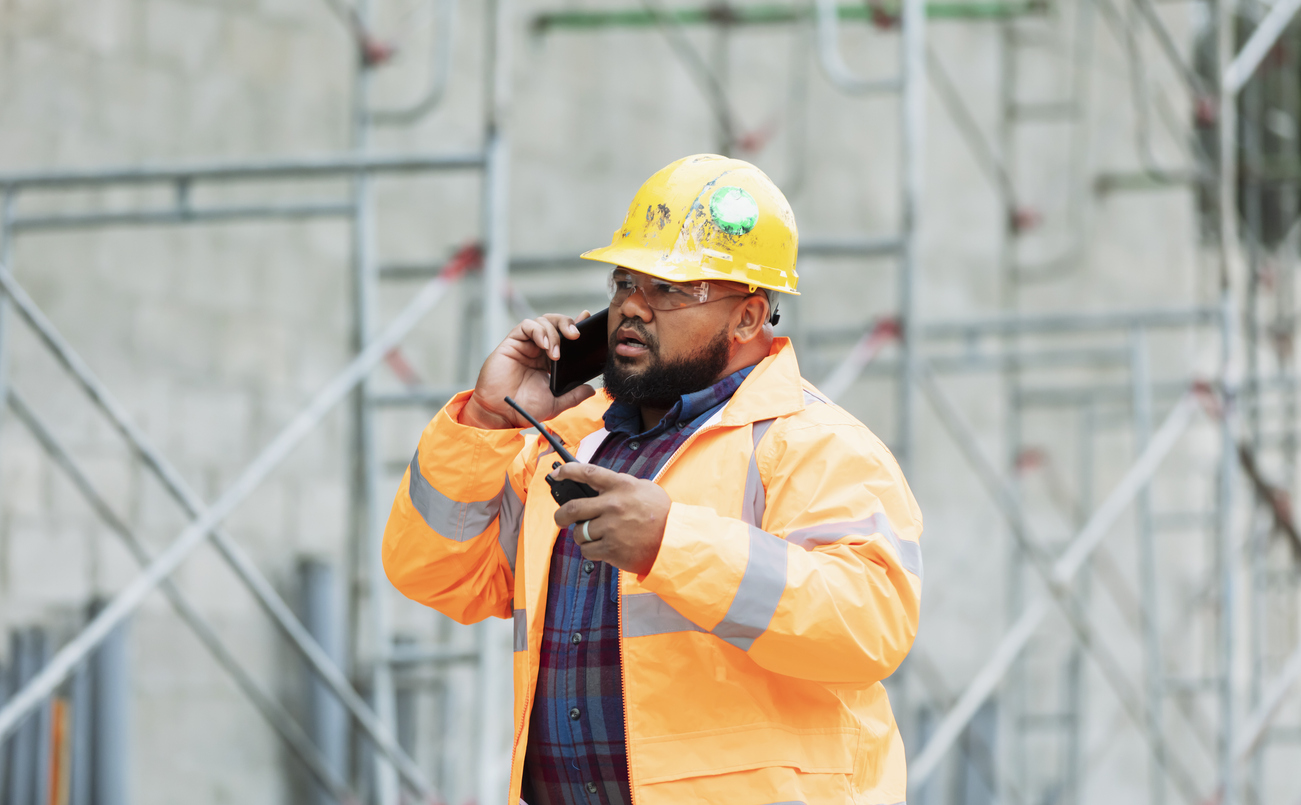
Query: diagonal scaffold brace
{"points": [[272, 711], [1057, 579], [208, 518]]}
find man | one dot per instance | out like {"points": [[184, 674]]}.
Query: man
{"points": [[714, 626]]}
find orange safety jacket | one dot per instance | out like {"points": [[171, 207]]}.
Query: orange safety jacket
{"points": [[786, 588]]}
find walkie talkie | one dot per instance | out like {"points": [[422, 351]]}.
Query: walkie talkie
{"points": [[567, 489]]}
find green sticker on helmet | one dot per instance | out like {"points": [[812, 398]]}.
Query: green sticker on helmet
{"points": [[734, 210]]}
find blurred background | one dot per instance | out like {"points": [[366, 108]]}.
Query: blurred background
{"points": [[1049, 252]]}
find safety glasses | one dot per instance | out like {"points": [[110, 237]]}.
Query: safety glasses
{"points": [[661, 294]]}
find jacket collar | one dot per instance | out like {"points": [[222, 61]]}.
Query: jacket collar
{"points": [[773, 389]]}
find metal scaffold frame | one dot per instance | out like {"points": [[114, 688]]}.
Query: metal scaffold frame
{"points": [[394, 768]]}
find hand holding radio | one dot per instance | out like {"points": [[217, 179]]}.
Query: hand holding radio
{"points": [[521, 367]]}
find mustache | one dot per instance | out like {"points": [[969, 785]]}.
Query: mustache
{"points": [[636, 325]]}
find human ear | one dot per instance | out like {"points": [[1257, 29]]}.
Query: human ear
{"points": [[751, 316]]}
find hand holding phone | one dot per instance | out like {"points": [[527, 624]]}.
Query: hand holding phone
{"points": [[520, 366], [562, 490]]}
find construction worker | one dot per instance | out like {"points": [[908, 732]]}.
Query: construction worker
{"points": [[714, 625]]}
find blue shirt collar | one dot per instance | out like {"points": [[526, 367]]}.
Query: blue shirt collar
{"points": [[625, 418]]}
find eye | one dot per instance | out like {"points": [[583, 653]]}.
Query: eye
{"points": [[621, 282], [671, 289]]}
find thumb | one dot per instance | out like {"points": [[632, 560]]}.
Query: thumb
{"points": [[573, 397]]}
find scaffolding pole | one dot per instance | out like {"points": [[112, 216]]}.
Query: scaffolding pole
{"points": [[207, 519], [1057, 579]]}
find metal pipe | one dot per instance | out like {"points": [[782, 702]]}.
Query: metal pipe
{"points": [[442, 68], [1170, 48], [1262, 39], [436, 396], [1270, 704], [1057, 579], [912, 70], [764, 14], [276, 716], [79, 792], [833, 63], [1141, 411], [496, 222], [860, 355], [206, 521], [20, 786], [340, 165], [705, 79], [496, 292], [436, 655], [327, 720], [367, 530], [1069, 322], [111, 718], [161, 217]]}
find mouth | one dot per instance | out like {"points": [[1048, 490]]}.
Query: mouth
{"points": [[628, 344]]}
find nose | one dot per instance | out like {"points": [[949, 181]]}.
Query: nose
{"points": [[634, 306]]}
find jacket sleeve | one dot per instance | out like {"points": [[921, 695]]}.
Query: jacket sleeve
{"points": [[451, 537], [828, 586]]}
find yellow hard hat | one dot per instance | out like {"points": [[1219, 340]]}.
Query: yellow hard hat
{"points": [[707, 217]]}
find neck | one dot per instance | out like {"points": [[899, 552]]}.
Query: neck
{"points": [[650, 417]]}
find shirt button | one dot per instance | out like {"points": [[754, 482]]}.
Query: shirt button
{"points": [[591, 788], [634, 445], [589, 566], [681, 425], [577, 638], [575, 714]]}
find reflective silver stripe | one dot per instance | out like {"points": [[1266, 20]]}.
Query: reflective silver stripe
{"points": [[910, 556], [758, 594], [910, 553], [521, 630], [512, 512], [752, 505], [455, 520], [647, 614], [749, 615], [587, 447]]}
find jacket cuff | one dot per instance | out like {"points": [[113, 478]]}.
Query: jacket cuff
{"points": [[464, 462]]}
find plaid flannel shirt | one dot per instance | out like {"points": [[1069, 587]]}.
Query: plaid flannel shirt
{"points": [[577, 754]]}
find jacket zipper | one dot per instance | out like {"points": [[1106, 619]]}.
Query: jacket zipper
{"points": [[623, 685], [623, 689]]}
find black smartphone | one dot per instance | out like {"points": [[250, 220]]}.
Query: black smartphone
{"points": [[584, 357]]}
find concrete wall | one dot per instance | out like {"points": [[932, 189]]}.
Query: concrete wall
{"points": [[212, 336]]}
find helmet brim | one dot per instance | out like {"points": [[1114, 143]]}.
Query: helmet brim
{"points": [[651, 262]]}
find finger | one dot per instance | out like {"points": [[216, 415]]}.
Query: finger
{"points": [[547, 336], [573, 397], [599, 478], [535, 334], [597, 550], [586, 314], [563, 324], [580, 538], [578, 510]]}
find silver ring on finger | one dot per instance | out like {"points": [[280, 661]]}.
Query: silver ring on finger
{"points": [[586, 536]]}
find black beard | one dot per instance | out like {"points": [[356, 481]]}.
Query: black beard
{"points": [[661, 383]]}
